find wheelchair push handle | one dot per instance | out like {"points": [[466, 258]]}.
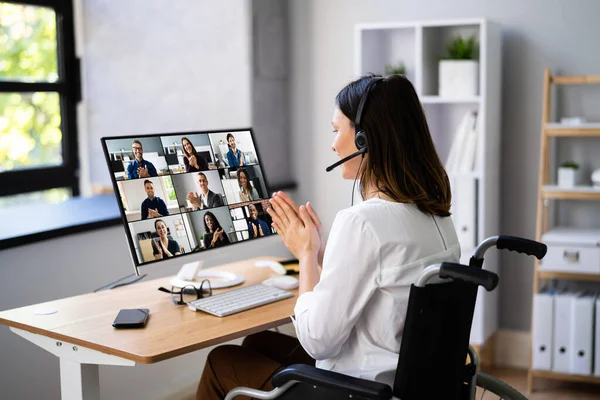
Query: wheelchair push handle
{"points": [[512, 243], [521, 245], [485, 278]]}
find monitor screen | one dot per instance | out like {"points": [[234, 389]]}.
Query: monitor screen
{"points": [[184, 193]]}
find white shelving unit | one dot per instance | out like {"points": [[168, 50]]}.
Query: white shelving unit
{"points": [[419, 45]]}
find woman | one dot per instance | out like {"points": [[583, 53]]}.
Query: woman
{"points": [[247, 191], [164, 247], [191, 159], [214, 235], [349, 316]]}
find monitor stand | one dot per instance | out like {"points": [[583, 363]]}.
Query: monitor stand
{"points": [[119, 283], [192, 274]]}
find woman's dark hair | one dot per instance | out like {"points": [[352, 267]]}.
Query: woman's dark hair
{"points": [[227, 138], [216, 222], [248, 186], [402, 161], [194, 152]]}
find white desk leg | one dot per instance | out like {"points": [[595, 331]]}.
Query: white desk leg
{"points": [[78, 365], [79, 381]]}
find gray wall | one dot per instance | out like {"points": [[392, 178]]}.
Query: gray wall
{"points": [[150, 66], [270, 88], [565, 39]]}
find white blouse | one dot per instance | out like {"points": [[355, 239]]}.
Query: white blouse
{"points": [[352, 321]]}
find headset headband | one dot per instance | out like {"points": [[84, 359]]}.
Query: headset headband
{"points": [[363, 100]]}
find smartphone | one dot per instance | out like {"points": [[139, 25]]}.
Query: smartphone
{"points": [[131, 318]]}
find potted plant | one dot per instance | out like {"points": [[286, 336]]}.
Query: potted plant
{"points": [[568, 174], [459, 69], [398, 69]]}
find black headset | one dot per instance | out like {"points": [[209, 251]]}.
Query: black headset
{"points": [[360, 138]]}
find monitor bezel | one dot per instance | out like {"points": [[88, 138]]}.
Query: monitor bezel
{"points": [[125, 223]]}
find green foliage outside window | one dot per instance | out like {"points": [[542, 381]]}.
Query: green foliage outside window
{"points": [[30, 132]]}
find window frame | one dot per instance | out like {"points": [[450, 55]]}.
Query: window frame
{"points": [[68, 87]]}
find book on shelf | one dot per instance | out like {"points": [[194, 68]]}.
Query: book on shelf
{"points": [[462, 157]]}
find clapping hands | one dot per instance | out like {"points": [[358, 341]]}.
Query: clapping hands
{"points": [[193, 161], [299, 227], [194, 199], [143, 172]]}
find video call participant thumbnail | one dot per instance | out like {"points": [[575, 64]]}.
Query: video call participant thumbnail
{"points": [[235, 157], [140, 168], [193, 161], [164, 247], [247, 191], [214, 234], [256, 226], [153, 206], [206, 198]]}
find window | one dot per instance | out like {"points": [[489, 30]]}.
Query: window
{"points": [[39, 91]]}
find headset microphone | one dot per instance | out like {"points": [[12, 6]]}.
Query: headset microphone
{"points": [[343, 160]]}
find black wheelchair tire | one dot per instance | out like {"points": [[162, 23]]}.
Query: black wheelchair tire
{"points": [[497, 387]]}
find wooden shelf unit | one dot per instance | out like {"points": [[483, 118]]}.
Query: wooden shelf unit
{"points": [[547, 191], [566, 377], [569, 276], [577, 193]]}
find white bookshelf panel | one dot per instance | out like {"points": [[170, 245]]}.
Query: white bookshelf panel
{"points": [[388, 46], [435, 42], [420, 45], [444, 120]]}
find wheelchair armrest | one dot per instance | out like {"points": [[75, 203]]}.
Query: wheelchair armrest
{"points": [[333, 380]]}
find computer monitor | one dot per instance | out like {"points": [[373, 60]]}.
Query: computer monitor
{"points": [[185, 193]]}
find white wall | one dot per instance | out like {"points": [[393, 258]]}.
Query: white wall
{"points": [[322, 62], [153, 66]]}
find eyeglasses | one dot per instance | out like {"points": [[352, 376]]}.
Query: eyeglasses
{"points": [[188, 293]]}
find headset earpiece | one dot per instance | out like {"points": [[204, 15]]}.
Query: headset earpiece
{"points": [[360, 137], [360, 141]]}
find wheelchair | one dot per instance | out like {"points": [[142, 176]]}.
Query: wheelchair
{"points": [[432, 362]]}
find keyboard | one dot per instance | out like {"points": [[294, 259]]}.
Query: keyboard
{"points": [[236, 300]]}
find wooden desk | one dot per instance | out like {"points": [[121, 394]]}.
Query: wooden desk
{"points": [[82, 336]]}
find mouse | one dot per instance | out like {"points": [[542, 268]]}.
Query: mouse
{"points": [[275, 266], [282, 282]]}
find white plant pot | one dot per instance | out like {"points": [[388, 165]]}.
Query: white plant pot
{"points": [[567, 177], [458, 78]]}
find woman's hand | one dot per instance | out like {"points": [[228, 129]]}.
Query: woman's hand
{"points": [[193, 161], [158, 247], [315, 219], [165, 250], [297, 229]]}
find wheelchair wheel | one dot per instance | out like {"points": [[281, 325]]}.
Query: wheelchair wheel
{"points": [[487, 383]]}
